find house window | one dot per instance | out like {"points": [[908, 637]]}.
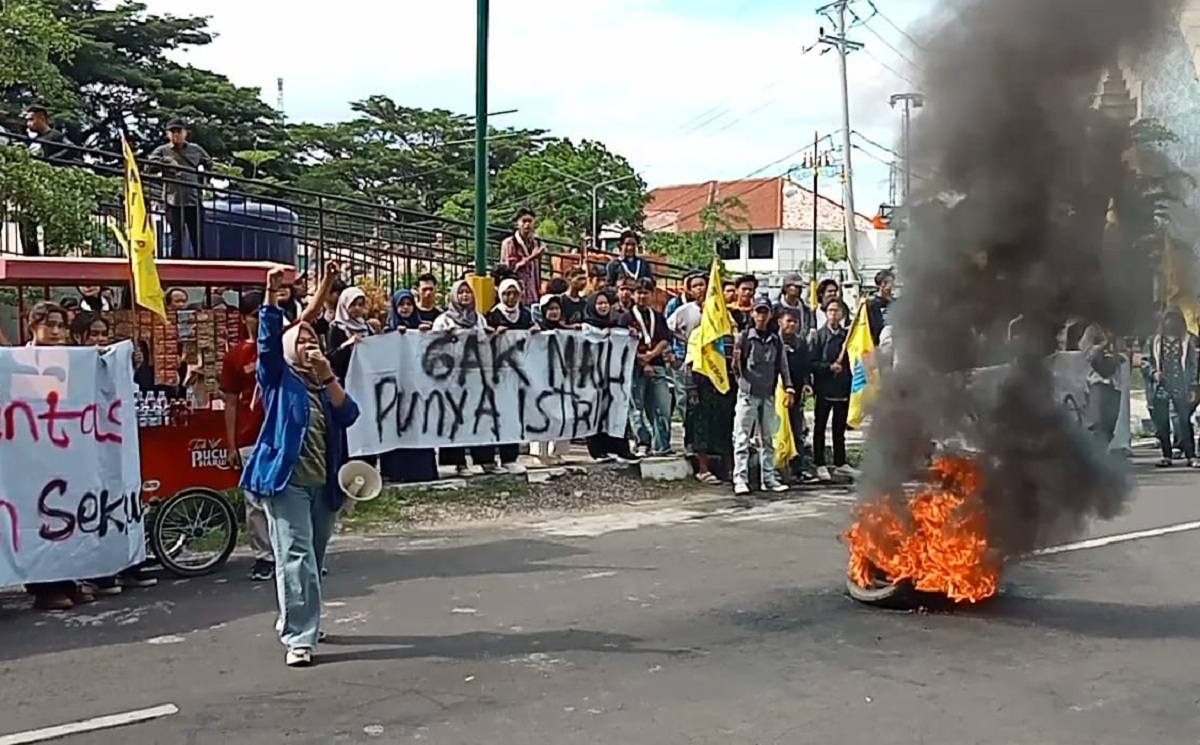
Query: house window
{"points": [[762, 245], [729, 248]]}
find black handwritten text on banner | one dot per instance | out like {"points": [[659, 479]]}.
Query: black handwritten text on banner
{"points": [[432, 389], [70, 472]]}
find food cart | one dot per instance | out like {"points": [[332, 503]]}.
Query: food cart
{"points": [[192, 525]]}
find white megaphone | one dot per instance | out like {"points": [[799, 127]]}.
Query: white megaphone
{"points": [[360, 481]]}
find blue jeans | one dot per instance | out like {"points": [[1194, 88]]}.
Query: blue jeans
{"points": [[686, 411], [652, 400], [753, 413], [301, 522]]}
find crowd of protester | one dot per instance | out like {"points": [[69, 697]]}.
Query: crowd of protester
{"points": [[774, 340]]}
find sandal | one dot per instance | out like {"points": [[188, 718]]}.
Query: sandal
{"points": [[708, 478]]}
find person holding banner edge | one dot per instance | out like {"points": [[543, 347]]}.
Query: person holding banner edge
{"points": [[48, 327], [294, 465]]}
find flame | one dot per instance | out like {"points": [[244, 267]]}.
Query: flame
{"points": [[941, 548]]}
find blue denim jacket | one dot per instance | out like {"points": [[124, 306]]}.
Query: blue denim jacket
{"points": [[285, 408]]}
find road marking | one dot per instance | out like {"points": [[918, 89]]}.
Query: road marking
{"points": [[1109, 540], [89, 725]]}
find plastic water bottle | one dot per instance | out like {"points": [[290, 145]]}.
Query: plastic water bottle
{"points": [[160, 409]]}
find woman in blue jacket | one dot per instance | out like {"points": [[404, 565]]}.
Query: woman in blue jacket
{"points": [[294, 466]]}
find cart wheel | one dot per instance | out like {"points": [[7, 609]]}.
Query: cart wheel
{"points": [[194, 532]]}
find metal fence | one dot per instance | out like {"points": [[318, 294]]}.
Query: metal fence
{"points": [[251, 219]]}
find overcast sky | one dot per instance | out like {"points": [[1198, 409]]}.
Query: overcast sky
{"points": [[688, 90]]}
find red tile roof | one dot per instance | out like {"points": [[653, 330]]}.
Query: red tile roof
{"points": [[678, 208]]}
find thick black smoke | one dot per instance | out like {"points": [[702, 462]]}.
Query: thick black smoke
{"points": [[1007, 244]]}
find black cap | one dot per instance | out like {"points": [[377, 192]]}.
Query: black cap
{"points": [[176, 124], [762, 301]]}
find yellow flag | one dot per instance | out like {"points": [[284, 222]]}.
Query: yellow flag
{"points": [[139, 240], [812, 293], [705, 345], [864, 376], [785, 439]]}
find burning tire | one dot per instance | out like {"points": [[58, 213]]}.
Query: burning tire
{"points": [[884, 594]]}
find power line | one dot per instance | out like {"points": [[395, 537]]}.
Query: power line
{"points": [[869, 141], [767, 181], [858, 21], [688, 195], [902, 32], [889, 151], [888, 67]]}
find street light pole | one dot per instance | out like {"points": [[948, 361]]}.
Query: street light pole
{"points": [[595, 187], [911, 101], [596, 206], [481, 132]]}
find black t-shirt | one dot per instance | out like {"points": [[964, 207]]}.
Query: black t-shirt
{"points": [[742, 319], [428, 316], [497, 320], [657, 331], [51, 147], [572, 310]]}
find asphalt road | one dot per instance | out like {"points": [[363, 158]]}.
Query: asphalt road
{"points": [[699, 626]]}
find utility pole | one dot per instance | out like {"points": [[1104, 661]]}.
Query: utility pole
{"points": [[844, 46], [481, 282], [911, 101], [815, 164]]}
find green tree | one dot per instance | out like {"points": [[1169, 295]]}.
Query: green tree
{"points": [[720, 222], [556, 182], [63, 201], [399, 156], [33, 45], [115, 61], [833, 248]]}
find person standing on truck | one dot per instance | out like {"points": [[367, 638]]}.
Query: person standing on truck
{"points": [[184, 165]]}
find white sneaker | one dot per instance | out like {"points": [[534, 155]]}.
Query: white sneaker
{"points": [[299, 657], [777, 487], [462, 471], [643, 451], [823, 474], [491, 469], [848, 470], [741, 489], [515, 468]]}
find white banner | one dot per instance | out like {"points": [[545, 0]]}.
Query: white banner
{"points": [[70, 474], [433, 389]]}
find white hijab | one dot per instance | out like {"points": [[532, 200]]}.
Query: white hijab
{"points": [[291, 335], [342, 317], [513, 314]]}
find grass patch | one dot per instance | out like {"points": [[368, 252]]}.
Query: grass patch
{"points": [[396, 505]]}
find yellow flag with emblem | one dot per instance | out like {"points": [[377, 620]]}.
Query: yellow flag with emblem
{"points": [[139, 240], [864, 378], [705, 350]]}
